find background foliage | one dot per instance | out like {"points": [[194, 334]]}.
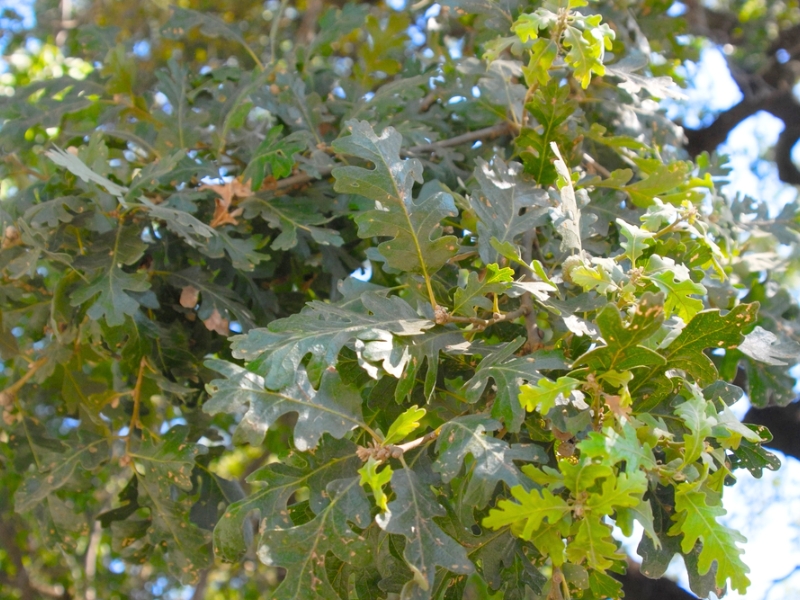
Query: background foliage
{"points": [[558, 307]]}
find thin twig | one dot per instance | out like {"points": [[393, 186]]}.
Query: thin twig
{"points": [[531, 329], [137, 392], [17, 385], [471, 136], [485, 133], [592, 163], [484, 323]]}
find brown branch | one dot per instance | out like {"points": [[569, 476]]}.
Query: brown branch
{"points": [[486, 133], [781, 104], [200, 586], [479, 323], [639, 587], [783, 423], [21, 581]]}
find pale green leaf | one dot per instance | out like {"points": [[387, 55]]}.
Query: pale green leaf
{"points": [[496, 280], [404, 425]]}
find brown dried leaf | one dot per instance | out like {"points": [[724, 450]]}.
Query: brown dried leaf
{"points": [[216, 323], [227, 192], [189, 296], [617, 406]]}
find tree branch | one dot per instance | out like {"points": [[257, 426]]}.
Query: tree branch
{"points": [[781, 104]]}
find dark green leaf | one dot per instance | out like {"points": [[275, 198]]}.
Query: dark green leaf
{"points": [[411, 515], [334, 408]]}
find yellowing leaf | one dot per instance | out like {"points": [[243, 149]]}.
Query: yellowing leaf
{"points": [[527, 514], [544, 394], [697, 520], [375, 480]]}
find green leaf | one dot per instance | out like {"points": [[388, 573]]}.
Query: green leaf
{"points": [[617, 447], [543, 53], [53, 212], [698, 415], [527, 26], [416, 245], [161, 465], [677, 295], [414, 225], [506, 205], [411, 515], [642, 512], [637, 240], [180, 127], [425, 347], [113, 301], [334, 408], [624, 350], [184, 20], [302, 549], [623, 491], [582, 475], [191, 229], [78, 168], [150, 177], [697, 520], [754, 458], [492, 458], [525, 517], [323, 329], [568, 225], [376, 481], [551, 106], [275, 152], [473, 294], [764, 346], [604, 586], [508, 372], [585, 54], [543, 395], [292, 215], [404, 425], [708, 329], [590, 278], [593, 543], [58, 468], [275, 485], [662, 180]]}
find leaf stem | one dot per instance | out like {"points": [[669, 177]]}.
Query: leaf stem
{"points": [[137, 393], [273, 33]]}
